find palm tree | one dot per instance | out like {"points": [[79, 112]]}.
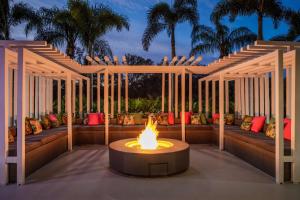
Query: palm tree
{"points": [[56, 26], [163, 16], [262, 8], [12, 15], [293, 20], [93, 22], [222, 40]]}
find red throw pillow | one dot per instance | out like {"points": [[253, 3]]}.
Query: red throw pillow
{"points": [[101, 118], [258, 124], [215, 117], [171, 119], [52, 117], [287, 128], [93, 119], [187, 117]]}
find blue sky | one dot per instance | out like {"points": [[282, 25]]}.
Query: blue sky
{"points": [[130, 41]]}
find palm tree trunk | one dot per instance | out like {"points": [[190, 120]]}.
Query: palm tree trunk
{"points": [[260, 21], [70, 50], [6, 32], [173, 47], [91, 54]]}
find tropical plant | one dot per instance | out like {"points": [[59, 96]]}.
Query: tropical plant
{"points": [[293, 20], [163, 16], [262, 8], [223, 40], [13, 14]]}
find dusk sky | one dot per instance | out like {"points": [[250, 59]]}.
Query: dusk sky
{"points": [[130, 41]]}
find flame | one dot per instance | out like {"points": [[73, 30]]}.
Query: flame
{"points": [[148, 138]]}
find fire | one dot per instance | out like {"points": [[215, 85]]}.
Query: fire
{"points": [[148, 138]]}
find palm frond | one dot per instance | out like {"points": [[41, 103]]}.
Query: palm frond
{"points": [[102, 48], [150, 32]]}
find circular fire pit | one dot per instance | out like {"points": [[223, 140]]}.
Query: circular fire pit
{"points": [[170, 157]]}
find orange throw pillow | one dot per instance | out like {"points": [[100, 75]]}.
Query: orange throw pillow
{"points": [[258, 124], [93, 119], [287, 129]]}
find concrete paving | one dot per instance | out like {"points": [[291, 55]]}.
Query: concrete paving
{"points": [[85, 174]]}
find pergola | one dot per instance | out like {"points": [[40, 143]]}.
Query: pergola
{"points": [[28, 69]]}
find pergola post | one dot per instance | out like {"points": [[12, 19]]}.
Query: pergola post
{"points": [[119, 92], [51, 95], [10, 97], [183, 105], [88, 93], [112, 95], [273, 92], [16, 94], [31, 95], [207, 97], [256, 97], [251, 96], [163, 81], [69, 109], [199, 96], [239, 98], [279, 154], [226, 96], [288, 92], [262, 95], [190, 91], [58, 96], [170, 92], [42, 105], [126, 92], [221, 111], [176, 95], [295, 117], [267, 97], [247, 96], [36, 97], [243, 97], [3, 116], [213, 97], [98, 92], [80, 98], [27, 96], [106, 105], [21, 117], [74, 97]]}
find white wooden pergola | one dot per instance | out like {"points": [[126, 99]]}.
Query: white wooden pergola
{"points": [[28, 69]]}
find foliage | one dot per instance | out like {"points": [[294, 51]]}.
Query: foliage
{"points": [[207, 40]]}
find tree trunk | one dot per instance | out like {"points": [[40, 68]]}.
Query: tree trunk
{"points": [[91, 54], [173, 48], [260, 21], [70, 50], [6, 32]]}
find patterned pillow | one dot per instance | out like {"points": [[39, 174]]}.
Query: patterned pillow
{"points": [[270, 132], [195, 119], [138, 118], [162, 119], [229, 119], [128, 119], [11, 134], [246, 126], [36, 126], [53, 120], [247, 118], [203, 119], [120, 119], [28, 128], [46, 123]]}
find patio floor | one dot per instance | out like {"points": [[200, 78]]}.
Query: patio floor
{"points": [[84, 174]]}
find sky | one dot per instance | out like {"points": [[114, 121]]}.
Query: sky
{"points": [[135, 10]]}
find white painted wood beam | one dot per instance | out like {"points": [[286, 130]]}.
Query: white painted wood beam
{"points": [[221, 111]]}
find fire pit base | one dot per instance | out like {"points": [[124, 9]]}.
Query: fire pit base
{"points": [[159, 162]]}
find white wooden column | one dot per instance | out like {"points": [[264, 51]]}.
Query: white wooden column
{"points": [[267, 97], [288, 92], [170, 93], [80, 98], [207, 97], [3, 116], [247, 111], [98, 92], [74, 96], [213, 97], [65, 97], [51, 95], [176, 95], [46, 96], [58, 96], [126, 92], [262, 96], [295, 117], [36, 96], [119, 92], [112, 95], [163, 81], [256, 96], [199, 96], [239, 98], [221, 111], [69, 109], [106, 106], [243, 97], [273, 92], [88, 96], [226, 96], [190, 91], [251, 96], [27, 95], [16, 94], [10, 96], [279, 117], [42, 106], [183, 105], [21, 117]]}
